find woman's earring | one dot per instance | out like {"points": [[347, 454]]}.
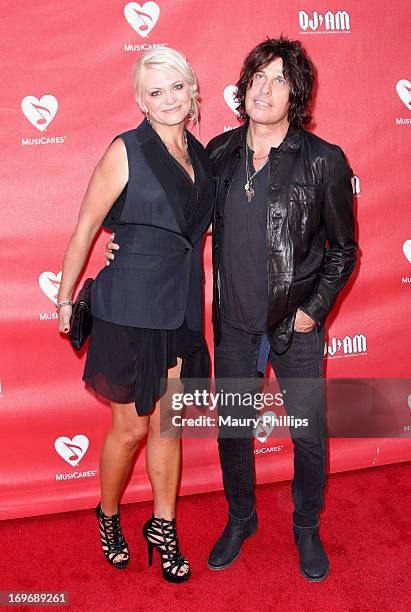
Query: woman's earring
{"points": [[148, 117], [191, 112]]}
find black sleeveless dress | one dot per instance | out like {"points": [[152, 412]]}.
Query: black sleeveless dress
{"points": [[129, 364]]}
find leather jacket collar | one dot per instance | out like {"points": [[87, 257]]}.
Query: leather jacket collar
{"points": [[290, 144]]}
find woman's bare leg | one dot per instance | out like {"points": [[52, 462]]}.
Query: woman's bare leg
{"points": [[163, 462], [126, 433], [163, 465]]}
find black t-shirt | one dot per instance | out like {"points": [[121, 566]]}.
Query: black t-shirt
{"points": [[243, 264]]}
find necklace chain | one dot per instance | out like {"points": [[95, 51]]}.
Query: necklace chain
{"points": [[249, 190], [186, 156]]}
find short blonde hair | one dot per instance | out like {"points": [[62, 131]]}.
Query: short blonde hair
{"points": [[165, 58]]}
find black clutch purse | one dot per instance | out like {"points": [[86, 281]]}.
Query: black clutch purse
{"points": [[81, 320]]}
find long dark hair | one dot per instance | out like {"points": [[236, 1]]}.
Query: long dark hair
{"points": [[298, 71]]}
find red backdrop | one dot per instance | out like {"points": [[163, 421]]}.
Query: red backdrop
{"points": [[67, 69]]}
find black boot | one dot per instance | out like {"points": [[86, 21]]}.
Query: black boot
{"points": [[227, 548], [314, 562]]}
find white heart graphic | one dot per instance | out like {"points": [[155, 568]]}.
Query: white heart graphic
{"points": [[406, 247], [142, 18], [403, 88], [409, 401], [40, 112], [263, 430], [72, 450], [50, 283], [229, 97]]}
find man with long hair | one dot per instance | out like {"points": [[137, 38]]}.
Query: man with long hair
{"points": [[283, 248]]}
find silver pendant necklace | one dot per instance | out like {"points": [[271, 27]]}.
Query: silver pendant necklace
{"points": [[249, 190]]}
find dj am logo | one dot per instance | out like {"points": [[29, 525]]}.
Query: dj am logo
{"points": [[324, 23], [356, 185], [349, 346], [73, 449], [50, 284], [40, 113], [403, 88], [142, 18]]}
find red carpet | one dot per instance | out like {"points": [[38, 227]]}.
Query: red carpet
{"points": [[365, 528]]}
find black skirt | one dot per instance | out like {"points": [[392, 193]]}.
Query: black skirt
{"points": [[129, 364]]}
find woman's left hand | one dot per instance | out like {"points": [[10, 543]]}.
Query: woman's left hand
{"points": [[64, 318]]}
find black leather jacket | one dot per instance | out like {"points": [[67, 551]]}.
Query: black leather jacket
{"points": [[310, 226]]}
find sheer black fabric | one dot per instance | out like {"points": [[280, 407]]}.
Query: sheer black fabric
{"points": [[129, 364]]}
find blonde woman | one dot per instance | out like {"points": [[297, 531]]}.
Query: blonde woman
{"points": [[152, 187]]}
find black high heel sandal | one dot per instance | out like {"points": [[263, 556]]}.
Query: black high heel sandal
{"points": [[162, 534], [112, 538]]}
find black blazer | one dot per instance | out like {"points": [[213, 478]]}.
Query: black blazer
{"points": [[156, 278]]}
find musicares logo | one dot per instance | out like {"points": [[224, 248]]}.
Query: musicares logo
{"points": [[403, 88], [230, 98], [72, 450], [142, 18], [41, 112], [406, 249], [263, 430], [50, 284]]}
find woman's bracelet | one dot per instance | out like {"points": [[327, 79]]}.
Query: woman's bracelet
{"points": [[64, 303]]}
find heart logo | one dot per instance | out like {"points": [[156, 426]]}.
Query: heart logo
{"points": [[263, 430], [72, 450], [403, 88], [406, 248], [41, 112], [142, 18], [49, 284], [229, 97], [409, 401]]}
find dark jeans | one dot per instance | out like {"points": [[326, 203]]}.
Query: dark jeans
{"points": [[236, 357]]}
